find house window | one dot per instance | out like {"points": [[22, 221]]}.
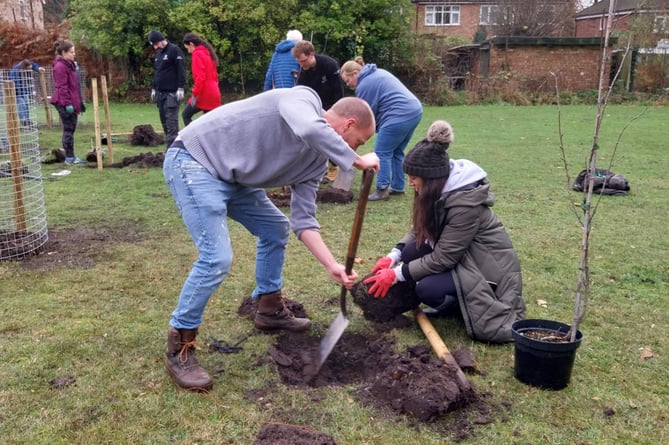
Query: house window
{"points": [[436, 15], [488, 15], [661, 25]]}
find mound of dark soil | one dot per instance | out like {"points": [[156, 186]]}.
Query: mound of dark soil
{"points": [[281, 197], [146, 135], [143, 160]]}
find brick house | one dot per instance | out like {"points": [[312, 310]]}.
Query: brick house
{"points": [[26, 12], [523, 56], [646, 22], [471, 20], [591, 21]]}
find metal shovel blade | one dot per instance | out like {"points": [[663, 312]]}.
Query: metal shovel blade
{"points": [[331, 338]]}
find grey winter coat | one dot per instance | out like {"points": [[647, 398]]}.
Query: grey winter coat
{"points": [[486, 270]]}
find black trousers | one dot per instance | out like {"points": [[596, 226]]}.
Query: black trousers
{"points": [[168, 107], [69, 121], [433, 290]]}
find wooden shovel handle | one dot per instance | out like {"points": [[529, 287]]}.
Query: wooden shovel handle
{"points": [[367, 178], [440, 348]]}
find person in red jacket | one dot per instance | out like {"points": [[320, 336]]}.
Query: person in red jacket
{"points": [[67, 96], [205, 95]]}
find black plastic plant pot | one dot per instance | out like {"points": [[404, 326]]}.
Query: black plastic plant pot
{"points": [[544, 364]]}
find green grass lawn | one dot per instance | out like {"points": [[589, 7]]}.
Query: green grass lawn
{"points": [[103, 322]]}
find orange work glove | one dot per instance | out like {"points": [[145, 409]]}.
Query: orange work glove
{"points": [[383, 263], [381, 282]]}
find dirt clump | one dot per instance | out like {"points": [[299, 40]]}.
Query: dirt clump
{"points": [[143, 160], [146, 135]]}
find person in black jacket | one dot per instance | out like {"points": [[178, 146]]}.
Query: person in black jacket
{"points": [[168, 83], [320, 73]]}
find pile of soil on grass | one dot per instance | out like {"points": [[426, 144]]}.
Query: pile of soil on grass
{"points": [[412, 384], [146, 135], [327, 195], [143, 160]]}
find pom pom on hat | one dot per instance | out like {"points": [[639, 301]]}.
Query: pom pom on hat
{"points": [[429, 159], [440, 131], [294, 35], [155, 37]]}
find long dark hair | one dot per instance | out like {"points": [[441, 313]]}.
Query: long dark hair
{"points": [[424, 221], [196, 40]]}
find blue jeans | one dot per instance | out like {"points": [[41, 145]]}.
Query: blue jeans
{"points": [[205, 202], [391, 141]]}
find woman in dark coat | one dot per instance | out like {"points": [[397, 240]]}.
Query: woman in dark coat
{"points": [[457, 254], [67, 96]]}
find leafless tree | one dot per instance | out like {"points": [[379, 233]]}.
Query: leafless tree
{"points": [[536, 18]]}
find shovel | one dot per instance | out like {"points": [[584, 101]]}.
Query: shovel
{"points": [[340, 323]]}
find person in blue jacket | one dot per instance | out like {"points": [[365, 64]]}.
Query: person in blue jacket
{"points": [[283, 68], [397, 113], [22, 75]]}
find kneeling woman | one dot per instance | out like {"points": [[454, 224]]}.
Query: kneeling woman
{"points": [[457, 253]]}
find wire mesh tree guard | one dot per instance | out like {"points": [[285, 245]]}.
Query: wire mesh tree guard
{"points": [[23, 227]]}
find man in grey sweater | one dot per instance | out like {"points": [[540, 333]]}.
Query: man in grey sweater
{"points": [[219, 166]]}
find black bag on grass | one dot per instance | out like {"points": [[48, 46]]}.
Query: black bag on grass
{"points": [[605, 183]]}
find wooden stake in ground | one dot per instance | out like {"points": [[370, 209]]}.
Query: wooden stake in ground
{"points": [[12, 116], [96, 118], [105, 101], [45, 98]]}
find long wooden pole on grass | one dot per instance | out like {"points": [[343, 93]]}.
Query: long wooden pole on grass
{"points": [[12, 116], [105, 101]]}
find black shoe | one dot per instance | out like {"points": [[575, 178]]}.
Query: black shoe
{"points": [[396, 192]]}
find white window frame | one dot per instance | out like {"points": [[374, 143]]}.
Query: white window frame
{"points": [[661, 24], [449, 12], [488, 15]]}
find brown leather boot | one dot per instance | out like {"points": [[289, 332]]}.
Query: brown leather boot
{"points": [[272, 313], [181, 362]]}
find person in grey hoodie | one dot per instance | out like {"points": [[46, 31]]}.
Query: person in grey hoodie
{"points": [[457, 253], [218, 168]]}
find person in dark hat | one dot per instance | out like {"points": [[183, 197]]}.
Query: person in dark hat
{"points": [[169, 78], [457, 253]]}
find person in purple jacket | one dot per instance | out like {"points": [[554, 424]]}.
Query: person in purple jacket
{"points": [[398, 113], [67, 96], [218, 169]]}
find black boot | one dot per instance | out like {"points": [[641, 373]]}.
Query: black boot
{"points": [[181, 362], [272, 314]]}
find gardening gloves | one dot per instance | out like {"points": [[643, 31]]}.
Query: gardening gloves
{"points": [[381, 282], [388, 261], [69, 109], [153, 95], [180, 94]]}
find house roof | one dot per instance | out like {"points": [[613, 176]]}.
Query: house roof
{"points": [[624, 6]]}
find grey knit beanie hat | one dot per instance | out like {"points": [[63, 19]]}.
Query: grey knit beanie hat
{"points": [[429, 159]]}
